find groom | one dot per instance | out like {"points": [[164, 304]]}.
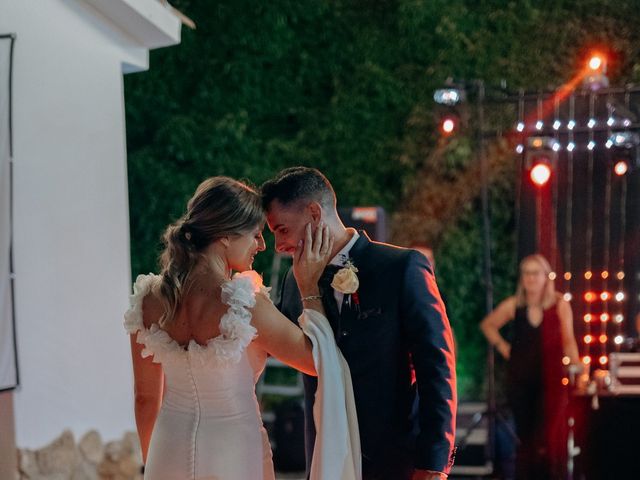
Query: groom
{"points": [[394, 323]]}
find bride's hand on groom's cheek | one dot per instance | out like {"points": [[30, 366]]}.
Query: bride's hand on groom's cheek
{"points": [[311, 257]]}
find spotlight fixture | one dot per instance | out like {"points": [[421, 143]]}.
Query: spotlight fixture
{"points": [[621, 167], [540, 174], [595, 73], [449, 96]]}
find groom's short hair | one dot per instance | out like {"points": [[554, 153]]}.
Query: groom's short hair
{"points": [[298, 183]]}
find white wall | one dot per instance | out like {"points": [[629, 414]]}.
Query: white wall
{"points": [[71, 220]]}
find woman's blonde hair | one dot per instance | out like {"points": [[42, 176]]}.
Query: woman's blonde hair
{"points": [[549, 296], [220, 207]]}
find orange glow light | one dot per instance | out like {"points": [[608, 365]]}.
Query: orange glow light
{"points": [[588, 339], [604, 317], [605, 274], [621, 168], [595, 62], [604, 296], [588, 317], [603, 338], [588, 274], [586, 359], [540, 174], [620, 275], [567, 276], [565, 381], [603, 360], [590, 297]]}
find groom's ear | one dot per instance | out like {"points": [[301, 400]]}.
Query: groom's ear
{"points": [[315, 210], [225, 241]]}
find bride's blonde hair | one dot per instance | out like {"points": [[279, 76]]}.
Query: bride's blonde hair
{"points": [[220, 206]]}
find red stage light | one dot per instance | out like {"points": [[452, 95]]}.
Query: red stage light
{"points": [[588, 339], [603, 360], [540, 174], [448, 125], [603, 338], [604, 296], [621, 167], [586, 359], [588, 317], [595, 62], [590, 297]]}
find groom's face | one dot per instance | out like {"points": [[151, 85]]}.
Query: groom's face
{"points": [[288, 222]]}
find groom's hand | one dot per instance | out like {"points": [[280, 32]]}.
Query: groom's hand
{"points": [[428, 475]]}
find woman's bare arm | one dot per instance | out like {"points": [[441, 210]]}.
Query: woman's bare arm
{"points": [[494, 321]]}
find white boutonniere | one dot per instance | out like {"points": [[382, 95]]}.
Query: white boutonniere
{"points": [[345, 280]]}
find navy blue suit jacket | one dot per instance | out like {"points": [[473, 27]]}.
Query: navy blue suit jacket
{"points": [[401, 322]]}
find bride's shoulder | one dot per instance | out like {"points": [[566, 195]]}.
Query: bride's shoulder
{"points": [[143, 299], [244, 288]]}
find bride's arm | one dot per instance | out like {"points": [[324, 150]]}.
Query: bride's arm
{"points": [[148, 385]]}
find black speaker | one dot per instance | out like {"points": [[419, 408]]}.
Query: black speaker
{"points": [[370, 219]]}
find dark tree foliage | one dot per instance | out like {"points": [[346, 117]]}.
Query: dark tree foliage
{"points": [[346, 86]]}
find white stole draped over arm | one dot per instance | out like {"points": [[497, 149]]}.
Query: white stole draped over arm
{"points": [[336, 452]]}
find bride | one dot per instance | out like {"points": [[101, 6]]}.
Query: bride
{"points": [[200, 338]]}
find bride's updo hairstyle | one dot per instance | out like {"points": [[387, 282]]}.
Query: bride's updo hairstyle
{"points": [[220, 207]]}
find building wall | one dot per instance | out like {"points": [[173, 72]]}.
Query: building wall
{"points": [[71, 226]]}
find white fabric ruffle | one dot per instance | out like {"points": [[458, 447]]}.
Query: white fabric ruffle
{"points": [[236, 331]]}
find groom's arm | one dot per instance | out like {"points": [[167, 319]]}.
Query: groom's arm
{"points": [[430, 342]]}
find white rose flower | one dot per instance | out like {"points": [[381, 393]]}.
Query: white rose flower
{"points": [[345, 280]]}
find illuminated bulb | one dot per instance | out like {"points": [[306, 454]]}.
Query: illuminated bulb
{"points": [[619, 318], [566, 360], [519, 149], [448, 125], [556, 146], [604, 274], [520, 127], [621, 168], [571, 146], [539, 125], [595, 62], [571, 124], [626, 122], [567, 275], [604, 296], [611, 121], [557, 124], [565, 381], [591, 123], [591, 145], [618, 339], [608, 144], [604, 317], [603, 360], [567, 297], [586, 359], [603, 338], [540, 174], [588, 339], [588, 274], [552, 275], [619, 296], [620, 275], [589, 297], [588, 317]]}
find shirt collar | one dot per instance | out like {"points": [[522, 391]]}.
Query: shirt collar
{"points": [[343, 255]]}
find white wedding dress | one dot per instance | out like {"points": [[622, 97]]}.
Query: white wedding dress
{"points": [[209, 426]]}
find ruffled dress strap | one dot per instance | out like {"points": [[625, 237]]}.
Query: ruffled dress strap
{"points": [[236, 331]]}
